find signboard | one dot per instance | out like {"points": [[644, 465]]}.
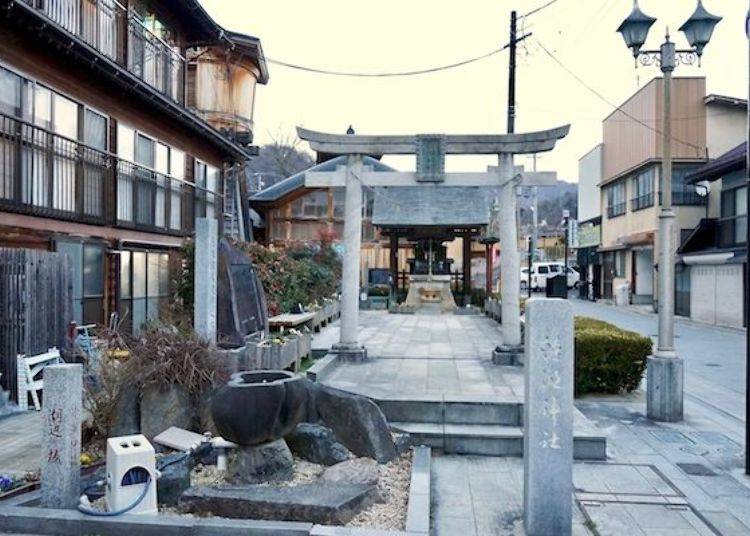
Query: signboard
{"points": [[589, 235], [430, 157]]}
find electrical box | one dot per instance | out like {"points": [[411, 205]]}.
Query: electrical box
{"points": [[131, 465]]}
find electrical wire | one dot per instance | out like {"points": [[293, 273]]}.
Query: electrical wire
{"points": [[98, 513], [610, 103], [537, 10], [388, 74]]}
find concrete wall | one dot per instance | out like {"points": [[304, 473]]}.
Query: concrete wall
{"points": [[726, 128], [589, 176], [716, 294], [628, 143]]}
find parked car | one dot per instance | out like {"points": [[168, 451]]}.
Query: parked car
{"points": [[541, 271]]}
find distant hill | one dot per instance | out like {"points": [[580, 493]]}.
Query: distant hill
{"points": [[551, 201]]}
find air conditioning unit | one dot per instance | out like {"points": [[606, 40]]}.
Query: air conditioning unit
{"points": [[131, 467]]}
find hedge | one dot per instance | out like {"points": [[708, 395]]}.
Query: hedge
{"points": [[608, 359]]}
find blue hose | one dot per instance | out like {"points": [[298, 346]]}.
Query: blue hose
{"points": [[91, 512]]}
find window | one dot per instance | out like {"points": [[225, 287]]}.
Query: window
{"points": [[312, 205], [177, 170], [683, 193], [88, 280], [144, 287], [643, 190], [616, 205], [733, 222], [620, 263], [543, 270], [206, 188], [10, 93], [65, 123], [554, 268]]}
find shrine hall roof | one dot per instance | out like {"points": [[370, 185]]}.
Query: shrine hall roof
{"points": [[431, 205]]}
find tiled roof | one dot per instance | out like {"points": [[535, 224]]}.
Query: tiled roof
{"points": [[429, 205], [730, 161], [297, 181]]}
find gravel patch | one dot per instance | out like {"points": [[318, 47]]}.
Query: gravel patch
{"points": [[393, 486]]}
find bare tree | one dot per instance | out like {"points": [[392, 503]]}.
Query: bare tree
{"points": [[281, 158]]}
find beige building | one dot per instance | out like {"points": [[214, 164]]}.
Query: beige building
{"points": [[703, 127]]}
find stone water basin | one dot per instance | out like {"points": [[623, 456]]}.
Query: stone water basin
{"points": [[259, 406]]}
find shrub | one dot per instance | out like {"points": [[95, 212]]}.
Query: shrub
{"points": [[608, 359]]}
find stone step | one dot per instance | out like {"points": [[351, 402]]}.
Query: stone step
{"points": [[459, 411], [493, 439]]}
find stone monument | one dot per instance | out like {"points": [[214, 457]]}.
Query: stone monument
{"points": [[61, 436], [206, 252], [548, 418]]}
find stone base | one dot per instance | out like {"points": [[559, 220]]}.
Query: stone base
{"points": [[665, 377], [509, 356], [269, 462], [324, 503], [349, 352]]}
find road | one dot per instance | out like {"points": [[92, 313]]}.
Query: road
{"points": [[714, 357]]}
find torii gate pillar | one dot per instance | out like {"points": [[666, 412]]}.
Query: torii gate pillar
{"points": [[348, 345], [510, 266]]}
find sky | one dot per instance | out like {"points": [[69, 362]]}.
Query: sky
{"points": [[394, 35]]}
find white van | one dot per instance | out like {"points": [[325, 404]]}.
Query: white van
{"points": [[541, 271]]}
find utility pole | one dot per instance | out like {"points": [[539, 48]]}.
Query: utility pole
{"points": [[747, 279], [512, 73]]}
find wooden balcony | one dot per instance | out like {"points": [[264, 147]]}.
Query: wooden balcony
{"points": [[118, 33], [45, 174]]}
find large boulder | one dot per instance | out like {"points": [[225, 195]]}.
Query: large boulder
{"points": [[269, 462], [127, 419], [175, 478], [357, 422], [356, 471], [316, 444], [165, 407]]}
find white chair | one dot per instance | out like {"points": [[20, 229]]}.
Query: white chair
{"points": [[30, 367]]}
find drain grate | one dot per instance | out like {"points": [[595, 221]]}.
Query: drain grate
{"points": [[696, 469]]}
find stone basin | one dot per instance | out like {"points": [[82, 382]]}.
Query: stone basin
{"points": [[259, 406]]}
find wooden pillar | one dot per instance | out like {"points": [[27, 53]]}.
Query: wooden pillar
{"points": [[467, 267], [393, 253], [488, 264]]}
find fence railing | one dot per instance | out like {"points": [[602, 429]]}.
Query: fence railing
{"points": [[642, 201], [119, 34], [45, 174], [616, 209]]}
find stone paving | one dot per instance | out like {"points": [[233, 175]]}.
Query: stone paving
{"points": [[421, 336], [20, 443]]}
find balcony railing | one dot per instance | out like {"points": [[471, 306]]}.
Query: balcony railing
{"points": [[686, 198], [119, 34], [45, 174], [642, 201], [617, 209]]}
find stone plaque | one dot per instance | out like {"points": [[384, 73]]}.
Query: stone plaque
{"points": [[430, 157]]}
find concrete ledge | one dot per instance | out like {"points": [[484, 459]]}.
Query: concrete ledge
{"points": [[32, 520], [322, 368], [508, 356], [418, 513]]}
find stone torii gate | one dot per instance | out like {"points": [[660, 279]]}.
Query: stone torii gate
{"points": [[430, 150]]}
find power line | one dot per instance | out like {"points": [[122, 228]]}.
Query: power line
{"points": [[537, 10], [610, 103], [388, 74]]}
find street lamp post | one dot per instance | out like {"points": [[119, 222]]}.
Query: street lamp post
{"points": [[665, 370], [747, 272]]}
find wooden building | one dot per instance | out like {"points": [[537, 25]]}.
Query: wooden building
{"points": [[109, 145], [293, 213]]}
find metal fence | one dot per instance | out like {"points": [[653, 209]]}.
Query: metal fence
{"points": [[35, 306]]}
